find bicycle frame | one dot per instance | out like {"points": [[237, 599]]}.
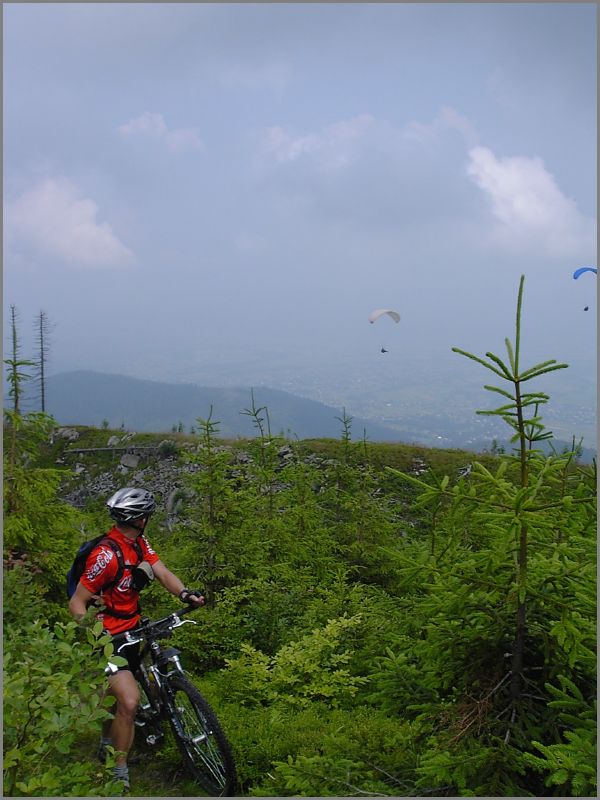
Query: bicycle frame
{"points": [[154, 678], [173, 699]]}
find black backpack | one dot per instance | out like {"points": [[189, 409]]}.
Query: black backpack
{"points": [[78, 566]]}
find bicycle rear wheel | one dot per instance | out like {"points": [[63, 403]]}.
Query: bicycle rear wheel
{"points": [[200, 738]]}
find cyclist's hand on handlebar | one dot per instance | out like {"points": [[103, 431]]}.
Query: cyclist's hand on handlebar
{"points": [[192, 596]]}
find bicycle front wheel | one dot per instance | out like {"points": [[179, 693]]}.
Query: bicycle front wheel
{"points": [[200, 738]]}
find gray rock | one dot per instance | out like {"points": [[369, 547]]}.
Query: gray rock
{"points": [[68, 433], [130, 460]]}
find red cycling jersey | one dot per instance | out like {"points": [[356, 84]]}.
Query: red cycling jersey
{"points": [[102, 566]]}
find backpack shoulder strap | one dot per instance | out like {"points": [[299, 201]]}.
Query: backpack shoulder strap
{"points": [[115, 547], [138, 549]]}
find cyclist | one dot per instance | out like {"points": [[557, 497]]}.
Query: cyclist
{"points": [[131, 508]]}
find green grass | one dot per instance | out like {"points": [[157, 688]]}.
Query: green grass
{"points": [[377, 454]]}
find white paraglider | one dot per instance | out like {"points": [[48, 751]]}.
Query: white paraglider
{"points": [[379, 312]]}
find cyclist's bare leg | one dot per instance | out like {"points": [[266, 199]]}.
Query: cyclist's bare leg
{"points": [[126, 691]]}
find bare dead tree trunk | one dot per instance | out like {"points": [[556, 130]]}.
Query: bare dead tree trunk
{"points": [[43, 329], [13, 363]]}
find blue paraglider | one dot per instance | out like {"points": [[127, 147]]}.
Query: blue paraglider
{"points": [[581, 270]]}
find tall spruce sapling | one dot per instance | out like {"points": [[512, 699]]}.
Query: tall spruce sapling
{"points": [[516, 509], [264, 451], [348, 481], [527, 430], [346, 435], [216, 506], [15, 376], [212, 482], [521, 413]]}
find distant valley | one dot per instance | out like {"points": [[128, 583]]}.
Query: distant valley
{"points": [[89, 398], [92, 398]]}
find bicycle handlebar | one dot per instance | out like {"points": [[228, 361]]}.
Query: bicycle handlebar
{"points": [[156, 629]]}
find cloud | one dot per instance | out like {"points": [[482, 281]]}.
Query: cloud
{"points": [[528, 205], [152, 126], [55, 219], [333, 147], [364, 173], [447, 119], [346, 142], [283, 147], [403, 178]]}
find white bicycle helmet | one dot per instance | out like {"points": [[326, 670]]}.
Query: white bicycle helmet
{"points": [[130, 503]]}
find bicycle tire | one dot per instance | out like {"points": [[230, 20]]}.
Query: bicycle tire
{"points": [[201, 740]]}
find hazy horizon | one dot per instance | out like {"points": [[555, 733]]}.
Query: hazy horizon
{"points": [[222, 193]]}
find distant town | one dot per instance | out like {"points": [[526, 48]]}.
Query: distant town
{"points": [[436, 405]]}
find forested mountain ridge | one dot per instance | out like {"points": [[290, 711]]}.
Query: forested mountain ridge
{"points": [[90, 398], [87, 398]]}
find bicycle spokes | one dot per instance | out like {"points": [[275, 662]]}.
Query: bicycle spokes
{"points": [[198, 735], [168, 696]]}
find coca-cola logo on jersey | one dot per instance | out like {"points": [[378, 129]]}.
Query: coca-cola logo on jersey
{"points": [[147, 543], [103, 558], [125, 584]]}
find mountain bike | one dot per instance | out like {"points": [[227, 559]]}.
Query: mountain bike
{"points": [[168, 696]]}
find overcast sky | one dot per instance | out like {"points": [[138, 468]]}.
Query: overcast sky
{"points": [[188, 184]]}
